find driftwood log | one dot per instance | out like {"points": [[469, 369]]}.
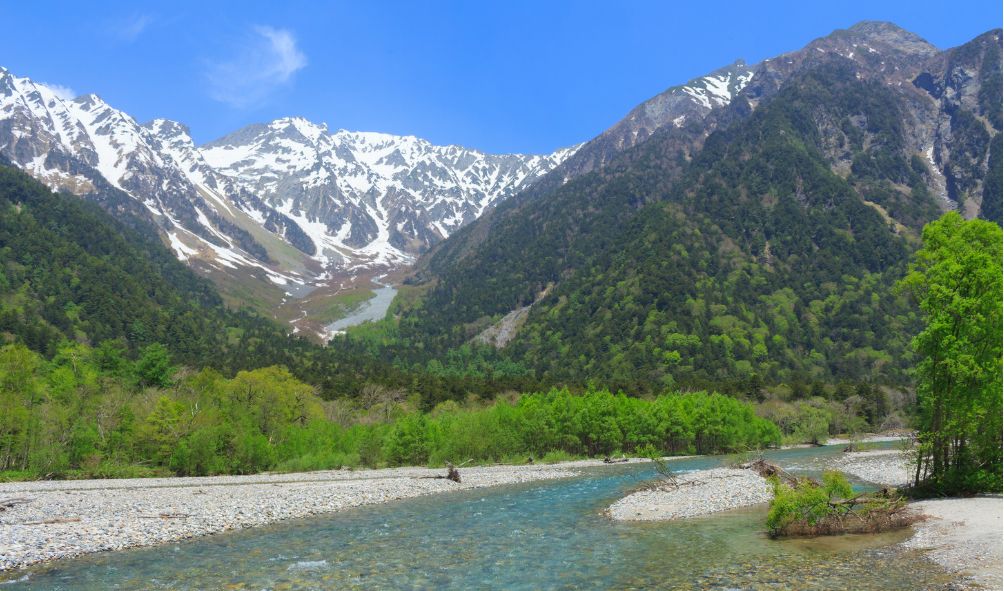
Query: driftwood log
{"points": [[167, 516], [13, 502], [54, 520], [766, 470]]}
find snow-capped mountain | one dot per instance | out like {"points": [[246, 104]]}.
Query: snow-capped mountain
{"points": [[369, 197], [341, 200]]}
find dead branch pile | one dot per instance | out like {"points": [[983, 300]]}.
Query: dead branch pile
{"points": [[804, 507]]}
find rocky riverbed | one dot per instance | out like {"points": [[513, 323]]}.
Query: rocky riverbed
{"points": [[61, 519], [694, 494]]}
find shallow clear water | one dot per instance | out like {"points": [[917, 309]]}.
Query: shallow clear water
{"points": [[545, 535]]}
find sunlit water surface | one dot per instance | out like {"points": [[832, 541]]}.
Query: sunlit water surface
{"points": [[544, 535]]}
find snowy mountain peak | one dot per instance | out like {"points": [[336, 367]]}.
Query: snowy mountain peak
{"points": [[367, 197], [677, 106], [166, 128], [307, 129]]}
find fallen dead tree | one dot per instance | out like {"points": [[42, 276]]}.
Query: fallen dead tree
{"points": [[54, 520], [767, 470]]}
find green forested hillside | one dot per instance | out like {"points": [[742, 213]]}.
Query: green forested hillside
{"points": [[118, 361], [69, 271], [760, 262], [768, 256]]}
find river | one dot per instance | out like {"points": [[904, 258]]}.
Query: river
{"points": [[542, 535], [372, 309]]}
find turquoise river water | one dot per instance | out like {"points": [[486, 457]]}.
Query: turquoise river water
{"points": [[543, 535]]}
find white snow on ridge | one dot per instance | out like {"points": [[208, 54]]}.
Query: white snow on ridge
{"points": [[716, 90], [718, 86], [113, 136]]}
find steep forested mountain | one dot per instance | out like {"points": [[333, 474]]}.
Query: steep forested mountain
{"points": [[70, 271], [759, 243]]}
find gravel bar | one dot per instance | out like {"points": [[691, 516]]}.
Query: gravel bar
{"points": [[697, 493], [62, 519], [888, 467], [963, 536]]}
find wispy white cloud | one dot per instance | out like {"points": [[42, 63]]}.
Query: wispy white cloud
{"points": [[266, 60], [129, 29], [64, 92]]}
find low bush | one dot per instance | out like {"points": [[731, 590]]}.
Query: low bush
{"points": [[804, 507]]}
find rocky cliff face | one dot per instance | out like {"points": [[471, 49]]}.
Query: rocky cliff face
{"points": [[949, 103], [962, 123]]}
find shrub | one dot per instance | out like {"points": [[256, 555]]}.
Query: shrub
{"points": [[805, 507]]}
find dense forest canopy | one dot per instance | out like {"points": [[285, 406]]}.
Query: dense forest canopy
{"points": [[92, 412]]}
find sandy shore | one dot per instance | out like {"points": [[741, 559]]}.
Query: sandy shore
{"points": [[697, 493], [62, 519]]}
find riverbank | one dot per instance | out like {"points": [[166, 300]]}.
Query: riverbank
{"points": [[722, 489], [62, 519], [960, 535], [871, 438], [963, 536]]}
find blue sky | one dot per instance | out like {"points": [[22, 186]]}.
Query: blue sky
{"points": [[499, 76]]}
